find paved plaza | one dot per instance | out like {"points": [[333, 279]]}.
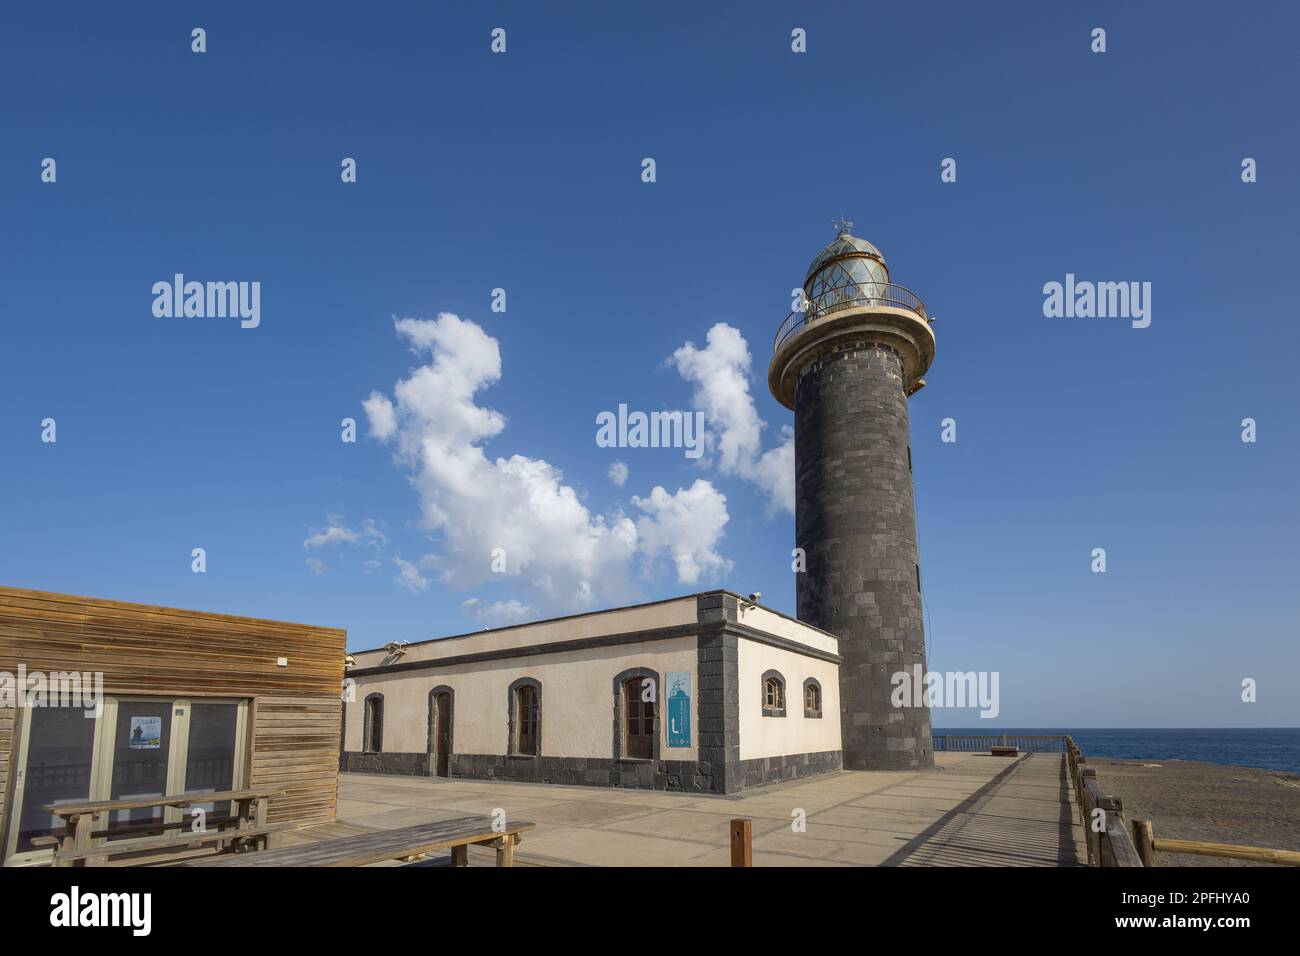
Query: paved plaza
{"points": [[971, 810]]}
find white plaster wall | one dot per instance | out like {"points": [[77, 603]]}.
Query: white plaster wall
{"points": [[762, 619], [792, 734], [577, 700]]}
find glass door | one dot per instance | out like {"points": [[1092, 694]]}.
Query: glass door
{"points": [[142, 758], [55, 749], [214, 751]]}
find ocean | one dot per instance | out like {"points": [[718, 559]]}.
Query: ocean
{"points": [[1268, 748]]}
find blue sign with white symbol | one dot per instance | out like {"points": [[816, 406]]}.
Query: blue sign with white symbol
{"points": [[679, 708]]}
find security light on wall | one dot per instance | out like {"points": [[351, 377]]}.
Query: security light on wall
{"points": [[753, 599], [397, 648], [349, 661]]}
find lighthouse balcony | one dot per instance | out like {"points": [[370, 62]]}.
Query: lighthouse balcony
{"points": [[850, 295], [850, 315]]}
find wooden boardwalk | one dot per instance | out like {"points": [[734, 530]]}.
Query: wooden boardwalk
{"points": [[1023, 817], [971, 810]]}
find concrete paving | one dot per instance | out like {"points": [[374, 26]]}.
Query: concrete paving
{"points": [[971, 810]]}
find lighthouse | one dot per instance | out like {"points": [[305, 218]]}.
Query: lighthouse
{"points": [[846, 362]]}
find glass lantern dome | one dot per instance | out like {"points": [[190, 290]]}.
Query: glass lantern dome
{"points": [[848, 262]]}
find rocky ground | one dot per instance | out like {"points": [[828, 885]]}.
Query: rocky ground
{"points": [[1216, 803]]}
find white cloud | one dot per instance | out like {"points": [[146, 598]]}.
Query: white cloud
{"points": [[318, 566], [383, 420], [618, 473], [337, 532], [560, 555], [720, 372], [330, 535], [498, 613], [686, 528], [409, 577]]}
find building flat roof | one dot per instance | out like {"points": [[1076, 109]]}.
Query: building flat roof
{"points": [[487, 634]]}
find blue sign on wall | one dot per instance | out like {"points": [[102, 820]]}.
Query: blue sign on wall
{"points": [[679, 708]]}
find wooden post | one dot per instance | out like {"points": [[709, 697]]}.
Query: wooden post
{"points": [[259, 813], [1144, 840], [742, 842], [1093, 839], [460, 855], [506, 850]]}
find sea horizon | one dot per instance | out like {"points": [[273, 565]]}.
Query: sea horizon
{"points": [[1262, 748]]}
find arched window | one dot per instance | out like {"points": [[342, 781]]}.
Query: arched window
{"points": [[773, 694], [373, 727], [812, 698], [525, 701], [636, 714]]}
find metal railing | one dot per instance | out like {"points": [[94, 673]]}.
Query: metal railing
{"points": [[847, 296], [965, 743]]}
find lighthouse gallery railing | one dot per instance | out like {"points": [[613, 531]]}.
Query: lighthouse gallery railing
{"points": [[848, 296]]}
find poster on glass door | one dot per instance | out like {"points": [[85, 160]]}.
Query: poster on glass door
{"points": [[146, 733]]}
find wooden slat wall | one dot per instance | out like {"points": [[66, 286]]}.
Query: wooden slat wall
{"points": [[144, 649], [6, 758], [297, 751]]}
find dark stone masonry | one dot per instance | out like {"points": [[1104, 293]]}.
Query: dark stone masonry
{"points": [[855, 518]]}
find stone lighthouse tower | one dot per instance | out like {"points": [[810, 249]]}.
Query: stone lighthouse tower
{"points": [[846, 364]]}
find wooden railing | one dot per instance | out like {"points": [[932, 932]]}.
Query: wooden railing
{"points": [[1102, 813], [1148, 846], [1111, 842]]}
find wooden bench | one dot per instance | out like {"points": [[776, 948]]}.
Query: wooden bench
{"points": [[77, 847], [403, 844], [252, 838], [1000, 751]]}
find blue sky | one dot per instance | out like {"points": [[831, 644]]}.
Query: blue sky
{"points": [[522, 171]]}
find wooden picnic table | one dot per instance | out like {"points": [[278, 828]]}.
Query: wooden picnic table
{"points": [[456, 835], [79, 819]]}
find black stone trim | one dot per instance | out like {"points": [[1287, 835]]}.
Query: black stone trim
{"points": [[366, 729], [812, 711], [406, 765], [717, 607], [769, 711], [764, 770], [451, 725], [685, 776], [512, 716], [619, 681]]}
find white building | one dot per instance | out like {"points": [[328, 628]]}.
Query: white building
{"points": [[703, 693]]}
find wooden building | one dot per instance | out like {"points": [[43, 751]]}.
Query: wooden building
{"points": [[104, 700]]}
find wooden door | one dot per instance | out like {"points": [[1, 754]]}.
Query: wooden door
{"points": [[639, 721], [442, 730]]}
